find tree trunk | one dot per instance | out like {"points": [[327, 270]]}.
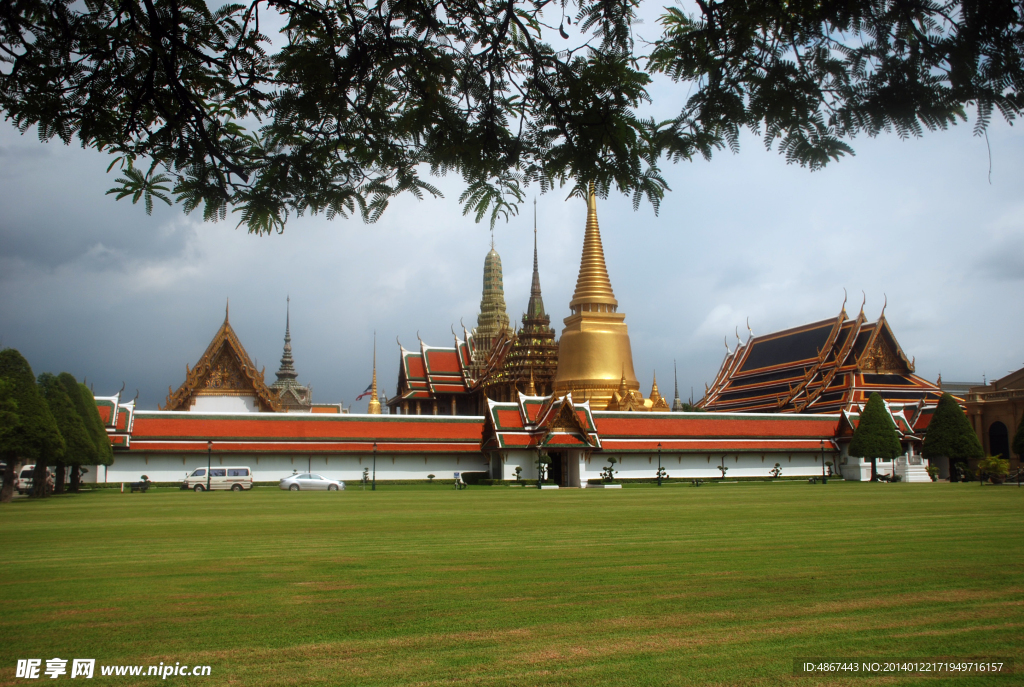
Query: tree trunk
{"points": [[874, 469], [39, 479], [10, 472], [76, 478], [58, 479]]}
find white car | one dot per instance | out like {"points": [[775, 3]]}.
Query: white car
{"points": [[307, 481]]}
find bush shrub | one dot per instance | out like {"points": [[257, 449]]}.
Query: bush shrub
{"points": [[995, 468]]}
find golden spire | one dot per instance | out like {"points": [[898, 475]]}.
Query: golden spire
{"points": [[594, 349], [374, 406], [531, 389], [655, 394], [593, 287]]}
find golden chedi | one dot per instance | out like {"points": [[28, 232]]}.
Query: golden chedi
{"points": [[373, 407], [633, 401], [594, 356]]}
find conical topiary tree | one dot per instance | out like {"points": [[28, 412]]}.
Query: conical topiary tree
{"points": [[875, 436], [85, 403], [34, 436], [950, 435], [96, 427], [79, 448]]}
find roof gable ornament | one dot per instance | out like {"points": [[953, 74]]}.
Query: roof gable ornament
{"points": [[224, 369]]}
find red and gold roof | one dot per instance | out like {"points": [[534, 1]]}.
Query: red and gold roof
{"points": [[224, 369], [821, 367]]}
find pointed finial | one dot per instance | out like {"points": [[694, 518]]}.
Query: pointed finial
{"points": [[883, 305], [531, 389], [738, 342], [725, 340], [492, 238], [843, 306], [863, 302], [593, 287], [749, 329], [227, 308], [374, 406]]}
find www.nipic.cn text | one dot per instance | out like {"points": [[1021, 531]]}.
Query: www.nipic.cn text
{"points": [[35, 668]]}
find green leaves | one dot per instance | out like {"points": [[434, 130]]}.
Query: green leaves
{"points": [[875, 436], [812, 75], [138, 185], [950, 435], [360, 99]]}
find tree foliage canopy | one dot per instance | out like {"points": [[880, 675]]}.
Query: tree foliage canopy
{"points": [[35, 434], [950, 434], [875, 436], [79, 448], [351, 102], [93, 422]]}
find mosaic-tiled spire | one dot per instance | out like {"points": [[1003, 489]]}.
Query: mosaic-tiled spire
{"points": [[493, 318], [293, 396], [287, 372], [535, 308], [677, 403]]}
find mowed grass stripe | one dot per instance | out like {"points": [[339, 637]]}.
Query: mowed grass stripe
{"points": [[724, 584]]}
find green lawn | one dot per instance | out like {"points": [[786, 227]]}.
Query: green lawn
{"points": [[725, 584]]}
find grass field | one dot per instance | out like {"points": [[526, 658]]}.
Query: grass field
{"points": [[723, 584]]}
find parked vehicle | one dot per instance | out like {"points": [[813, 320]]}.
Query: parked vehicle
{"points": [[23, 482], [233, 477], [311, 482]]}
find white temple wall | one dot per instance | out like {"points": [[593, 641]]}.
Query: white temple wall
{"points": [[910, 467], [507, 460], [703, 466], [224, 404], [271, 467], [500, 464]]}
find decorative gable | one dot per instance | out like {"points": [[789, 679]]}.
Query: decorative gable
{"points": [[224, 369]]}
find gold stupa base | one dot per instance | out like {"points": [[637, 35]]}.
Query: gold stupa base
{"points": [[594, 357]]}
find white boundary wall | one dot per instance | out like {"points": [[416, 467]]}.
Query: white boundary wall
{"points": [[500, 464], [677, 465], [271, 468]]}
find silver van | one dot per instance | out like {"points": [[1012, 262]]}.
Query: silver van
{"points": [[233, 477]]}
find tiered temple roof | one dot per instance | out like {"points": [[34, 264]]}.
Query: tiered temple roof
{"points": [[224, 369], [540, 423], [436, 380], [821, 367]]}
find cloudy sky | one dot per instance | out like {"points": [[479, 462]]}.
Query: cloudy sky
{"points": [[96, 287]]}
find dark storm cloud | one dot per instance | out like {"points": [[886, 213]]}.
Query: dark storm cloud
{"points": [[56, 210]]}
